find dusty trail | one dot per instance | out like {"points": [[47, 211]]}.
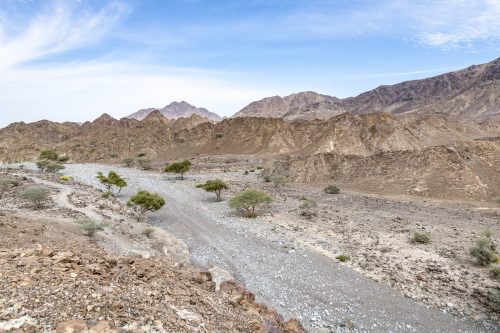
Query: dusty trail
{"points": [[298, 283]]}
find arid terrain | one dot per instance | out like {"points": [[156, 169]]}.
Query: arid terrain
{"points": [[56, 278], [417, 165]]}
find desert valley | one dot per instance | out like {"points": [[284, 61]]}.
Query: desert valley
{"points": [[374, 213]]}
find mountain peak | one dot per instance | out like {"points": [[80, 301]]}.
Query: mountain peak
{"points": [[177, 110]]}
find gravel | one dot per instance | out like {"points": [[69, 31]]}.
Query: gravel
{"points": [[325, 295]]}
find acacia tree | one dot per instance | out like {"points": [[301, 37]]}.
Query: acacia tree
{"points": [[214, 185], [250, 199], [145, 201], [112, 180], [178, 167]]}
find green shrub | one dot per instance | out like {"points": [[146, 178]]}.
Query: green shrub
{"points": [[246, 172], [142, 154], [331, 189], [249, 200], [42, 165], [54, 167], [420, 237], [6, 183], [48, 154], [89, 226], [278, 181], [112, 181], [144, 201], [178, 167], [267, 178], [128, 161], [495, 273], [107, 194], [342, 258], [307, 207], [65, 178], [485, 250], [37, 195], [148, 232], [214, 185]]}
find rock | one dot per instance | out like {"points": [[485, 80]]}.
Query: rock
{"points": [[71, 326]]}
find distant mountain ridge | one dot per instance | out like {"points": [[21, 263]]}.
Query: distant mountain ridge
{"points": [[473, 93], [177, 110]]}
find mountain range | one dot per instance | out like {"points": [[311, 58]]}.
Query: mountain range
{"points": [[473, 93], [177, 110]]}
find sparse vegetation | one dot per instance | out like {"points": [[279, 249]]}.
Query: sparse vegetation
{"points": [[42, 165], [267, 178], [54, 167], [145, 201], [148, 232], [495, 273], [332, 189], [89, 226], [66, 178], [420, 237], [179, 167], [485, 250], [6, 183], [112, 181], [49, 155], [249, 200], [385, 249], [214, 185], [278, 181], [107, 194], [38, 196], [307, 207], [342, 258], [128, 161], [245, 172]]}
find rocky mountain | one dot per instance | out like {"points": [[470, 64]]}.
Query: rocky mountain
{"points": [[399, 150], [177, 110], [473, 93]]}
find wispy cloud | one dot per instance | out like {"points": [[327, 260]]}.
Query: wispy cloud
{"points": [[60, 27]]}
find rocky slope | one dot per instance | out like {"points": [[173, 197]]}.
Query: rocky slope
{"points": [[362, 141], [177, 110], [473, 93], [60, 280]]}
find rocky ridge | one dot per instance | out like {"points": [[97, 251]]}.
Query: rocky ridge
{"points": [[471, 93], [177, 110]]}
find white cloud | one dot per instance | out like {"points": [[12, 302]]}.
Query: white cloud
{"points": [[58, 28]]}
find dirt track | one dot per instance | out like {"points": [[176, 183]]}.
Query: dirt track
{"points": [[298, 282]]}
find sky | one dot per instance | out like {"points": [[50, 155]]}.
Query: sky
{"points": [[72, 60]]}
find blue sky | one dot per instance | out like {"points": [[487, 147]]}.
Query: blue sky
{"points": [[73, 60]]}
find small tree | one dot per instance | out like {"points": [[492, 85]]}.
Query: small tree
{"points": [[37, 195], [54, 167], [112, 180], [179, 167], [48, 154], [214, 185], [250, 199], [5, 184], [129, 161], [89, 226], [144, 201], [307, 207], [485, 250], [278, 181]]}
